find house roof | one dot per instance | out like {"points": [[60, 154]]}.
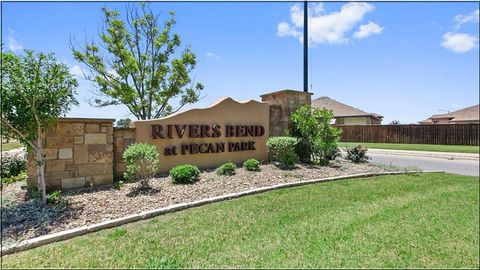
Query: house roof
{"points": [[468, 114], [340, 109]]}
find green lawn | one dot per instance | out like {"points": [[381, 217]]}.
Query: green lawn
{"points": [[421, 220], [418, 147], [11, 145]]}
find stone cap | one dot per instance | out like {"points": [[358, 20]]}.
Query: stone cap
{"points": [[86, 120], [286, 91]]}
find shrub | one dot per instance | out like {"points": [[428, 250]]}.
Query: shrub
{"points": [[55, 198], [227, 169], [251, 165], [357, 154], [283, 151], [12, 179], [118, 184], [141, 160], [13, 163], [317, 139], [185, 174]]}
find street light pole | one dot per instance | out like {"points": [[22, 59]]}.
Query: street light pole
{"points": [[305, 46]]}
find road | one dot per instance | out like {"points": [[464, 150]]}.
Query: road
{"points": [[465, 167]]}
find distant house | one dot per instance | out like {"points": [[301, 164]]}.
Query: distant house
{"points": [[345, 114], [468, 115]]}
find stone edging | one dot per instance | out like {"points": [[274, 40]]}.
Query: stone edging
{"points": [[67, 234]]}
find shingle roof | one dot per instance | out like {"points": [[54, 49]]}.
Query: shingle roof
{"points": [[468, 114], [339, 109]]}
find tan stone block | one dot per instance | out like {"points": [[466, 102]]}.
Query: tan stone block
{"points": [[109, 148], [50, 153], [118, 143], [102, 179], [80, 154], [93, 169], [59, 142], [71, 167], [109, 139], [103, 129], [78, 140], [70, 129], [51, 131], [65, 153], [109, 131], [92, 128], [55, 165], [56, 175], [100, 157], [95, 138], [129, 135], [72, 173], [73, 182], [95, 148]]}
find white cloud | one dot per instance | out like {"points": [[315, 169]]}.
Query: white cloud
{"points": [[213, 56], [368, 29], [76, 70], [325, 28], [460, 20], [284, 30], [459, 42], [13, 44]]}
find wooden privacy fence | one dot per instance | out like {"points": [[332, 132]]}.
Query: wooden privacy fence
{"points": [[459, 134]]}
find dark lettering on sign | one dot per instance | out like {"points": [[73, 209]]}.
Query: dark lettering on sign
{"points": [[202, 148], [180, 130], [157, 132], [216, 131], [206, 131]]}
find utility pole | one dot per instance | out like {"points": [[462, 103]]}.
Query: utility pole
{"points": [[305, 46]]}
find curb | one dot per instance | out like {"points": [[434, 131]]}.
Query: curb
{"points": [[71, 233], [442, 155]]}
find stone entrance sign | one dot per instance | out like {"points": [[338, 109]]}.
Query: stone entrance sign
{"points": [[227, 131]]}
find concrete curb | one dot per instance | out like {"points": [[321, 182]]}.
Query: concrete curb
{"points": [[67, 234], [443, 155]]}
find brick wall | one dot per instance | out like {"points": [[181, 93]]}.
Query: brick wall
{"points": [[282, 105], [78, 152]]}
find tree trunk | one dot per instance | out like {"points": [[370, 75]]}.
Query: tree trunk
{"points": [[41, 167]]}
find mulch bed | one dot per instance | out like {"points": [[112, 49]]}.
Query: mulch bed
{"points": [[23, 218]]}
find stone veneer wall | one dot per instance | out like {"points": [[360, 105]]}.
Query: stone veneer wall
{"points": [[78, 152], [282, 104], [122, 137]]}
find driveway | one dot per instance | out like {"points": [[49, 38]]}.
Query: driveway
{"points": [[458, 166]]}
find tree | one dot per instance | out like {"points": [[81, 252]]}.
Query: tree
{"points": [[395, 122], [36, 90], [123, 123], [135, 65]]}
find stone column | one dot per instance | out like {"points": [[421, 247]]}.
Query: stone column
{"points": [[282, 105]]}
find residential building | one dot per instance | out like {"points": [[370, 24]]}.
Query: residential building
{"points": [[345, 114], [468, 115]]}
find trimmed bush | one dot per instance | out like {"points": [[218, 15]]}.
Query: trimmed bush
{"points": [[227, 169], [13, 163], [283, 151], [357, 154], [141, 160], [185, 174], [317, 139], [251, 165]]}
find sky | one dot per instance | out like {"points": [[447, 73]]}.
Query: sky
{"points": [[403, 60]]}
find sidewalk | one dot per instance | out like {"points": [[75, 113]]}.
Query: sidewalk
{"points": [[444, 155]]}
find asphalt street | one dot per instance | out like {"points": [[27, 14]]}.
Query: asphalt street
{"points": [[464, 167]]}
